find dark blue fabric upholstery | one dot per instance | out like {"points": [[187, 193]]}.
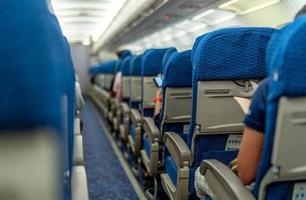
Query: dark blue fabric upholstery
{"points": [[178, 70], [108, 67], [228, 54], [135, 69], [167, 55], [37, 71], [30, 77], [171, 169], [94, 69], [126, 65], [286, 65], [152, 62]]}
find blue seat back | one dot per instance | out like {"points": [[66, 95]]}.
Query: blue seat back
{"points": [[220, 59], [107, 70], [167, 55], [125, 84], [151, 67], [286, 67], [177, 85], [37, 73], [135, 87], [30, 81], [177, 90]]}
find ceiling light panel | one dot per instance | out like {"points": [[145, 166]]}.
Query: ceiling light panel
{"points": [[247, 6], [86, 19], [214, 16], [190, 26]]}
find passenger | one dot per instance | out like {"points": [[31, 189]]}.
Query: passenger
{"points": [[253, 135], [116, 86], [158, 100], [252, 141]]}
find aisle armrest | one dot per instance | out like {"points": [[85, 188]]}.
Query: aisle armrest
{"points": [[181, 155], [79, 185], [135, 116], [151, 129], [223, 182], [77, 126], [178, 149], [78, 156], [125, 108]]}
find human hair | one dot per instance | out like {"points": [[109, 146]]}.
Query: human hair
{"points": [[301, 12]]}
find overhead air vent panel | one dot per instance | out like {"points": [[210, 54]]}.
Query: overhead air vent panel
{"points": [[167, 15]]}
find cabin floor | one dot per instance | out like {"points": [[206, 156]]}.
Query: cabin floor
{"points": [[107, 178]]}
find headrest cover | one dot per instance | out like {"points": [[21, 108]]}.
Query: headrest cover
{"points": [[287, 63], [125, 66], [178, 72], [30, 73], [167, 55], [232, 54], [152, 62], [135, 69]]}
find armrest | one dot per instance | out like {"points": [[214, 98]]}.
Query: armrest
{"points": [[135, 116], [223, 182], [151, 129], [79, 185], [125, 108], [178, 149], [117, 103]]}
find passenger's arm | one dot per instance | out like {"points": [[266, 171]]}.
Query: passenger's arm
{"points": [[158, 102], [249, 154]]}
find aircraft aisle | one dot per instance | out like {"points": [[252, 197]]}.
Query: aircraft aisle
{"points": [[106, 177]]}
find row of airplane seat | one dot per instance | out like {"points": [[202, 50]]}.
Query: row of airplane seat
{"points": [[180, 115], [40, 145]]}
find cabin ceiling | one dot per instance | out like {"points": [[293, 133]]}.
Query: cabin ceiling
{"points": [[171, 12], [85, 20]]}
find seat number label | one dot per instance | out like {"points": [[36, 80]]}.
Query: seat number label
{"points": [[299, 191], [233, 143], [186, 129]]}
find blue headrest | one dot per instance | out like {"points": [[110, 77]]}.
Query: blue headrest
{"points": [[232, 54], [152, 62], [178, 71], [287, 64], [30, 74], [195, 46], [126, 64], [135, 69], [108, 67], [94, 69], [167, 55]]}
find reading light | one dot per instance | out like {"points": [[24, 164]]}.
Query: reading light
{"points": [[246, 6]]}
